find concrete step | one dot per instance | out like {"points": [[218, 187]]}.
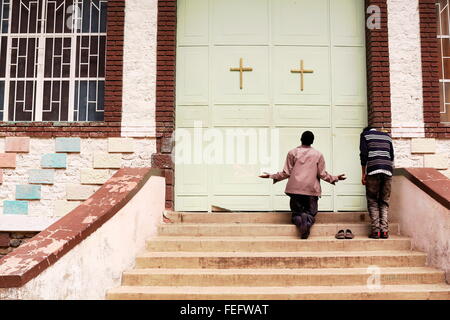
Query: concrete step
{"points": [[280, 277], [261, 217], [255, 229], [388, 292], [298, 259], [275, 244]]}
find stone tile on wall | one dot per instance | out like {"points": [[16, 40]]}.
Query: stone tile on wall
{"points": [[63, 207], [107, 161], [91, 176], [28, 192], [17, 144], [120, 145], [8, 160], [54, 160], [41, 176], [67, 145], [436, 161], [78, 192], [423, 145], [15, 207]]}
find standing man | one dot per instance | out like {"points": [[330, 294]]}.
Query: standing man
{"points": [[304, 167], [377, 158]]}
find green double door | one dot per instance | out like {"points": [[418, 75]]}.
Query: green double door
{"points": [[265, 105]]}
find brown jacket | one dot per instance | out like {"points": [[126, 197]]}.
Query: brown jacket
{"points": [[304, 167]]}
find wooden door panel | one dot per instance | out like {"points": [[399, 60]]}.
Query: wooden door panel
{"points": [[192, 116], [191, 203], [193, 22], [191, 179], [243, 203], [238, 180], [241, 115], [287, 85], [238, 22], [350, 116], [348, 22], [300, 22], [192, 76], [227, 83], [346, 160], [299, 116], [349, 76]]}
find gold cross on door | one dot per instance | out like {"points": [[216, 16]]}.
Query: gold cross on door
{"points": [[302, 72], [241, 70]]}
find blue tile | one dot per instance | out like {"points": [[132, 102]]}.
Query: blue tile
{"points": [[68, 145], [28, 192], [54, 160], [15, 207], [39, 176]]}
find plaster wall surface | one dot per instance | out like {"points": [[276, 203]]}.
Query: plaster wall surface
{"points": [[424, 220], [139, 78], [405, 68]]}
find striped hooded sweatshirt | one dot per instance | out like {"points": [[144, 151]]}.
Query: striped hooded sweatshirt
{"points": [[376, 152]]}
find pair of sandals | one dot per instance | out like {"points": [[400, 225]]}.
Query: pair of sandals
{"points": [[347, 234]]}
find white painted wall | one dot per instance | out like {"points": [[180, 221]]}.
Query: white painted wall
{"points": [[96, 264], [405, 68], [424, 220], [139, 78]]}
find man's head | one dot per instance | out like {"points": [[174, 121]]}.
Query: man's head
{"points": [[307, 138]]}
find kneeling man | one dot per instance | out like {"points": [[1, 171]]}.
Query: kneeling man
{"points": [[304, 168]]}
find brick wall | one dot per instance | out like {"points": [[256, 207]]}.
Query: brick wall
{"points": [[430, 71], [378, 79], [12, 240], [110, 127], [165, 92]]}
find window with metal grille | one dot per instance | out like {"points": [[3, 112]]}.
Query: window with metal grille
{"points": [[444, 49], [52, 60]]}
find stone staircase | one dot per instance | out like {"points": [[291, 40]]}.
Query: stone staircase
{"points": [[256, 256]]}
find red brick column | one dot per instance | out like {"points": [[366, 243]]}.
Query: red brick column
{"points": [[165, 93], [378, 78], [430, 71]]}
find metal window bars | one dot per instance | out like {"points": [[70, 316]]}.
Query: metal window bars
{"points": [[52, 60]]}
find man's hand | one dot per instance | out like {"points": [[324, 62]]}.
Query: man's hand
{"points": [[342, 177], [363, 180], [265, 175]]}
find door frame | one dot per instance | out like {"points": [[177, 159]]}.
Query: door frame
{"points": [[378, 84]]}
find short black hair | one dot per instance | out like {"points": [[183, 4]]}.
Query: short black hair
{"points": [[307, 138]]}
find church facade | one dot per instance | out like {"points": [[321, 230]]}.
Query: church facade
{"points": [[214, 92]]}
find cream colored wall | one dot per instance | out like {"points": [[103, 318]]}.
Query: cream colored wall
{"points": [[97, 263], [424, 220]]}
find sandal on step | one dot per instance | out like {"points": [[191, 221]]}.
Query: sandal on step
{"points": [[349, 234], [340, 234]]}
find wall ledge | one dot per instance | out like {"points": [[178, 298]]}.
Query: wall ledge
{"points": [[431, 181], [31, 259]]}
